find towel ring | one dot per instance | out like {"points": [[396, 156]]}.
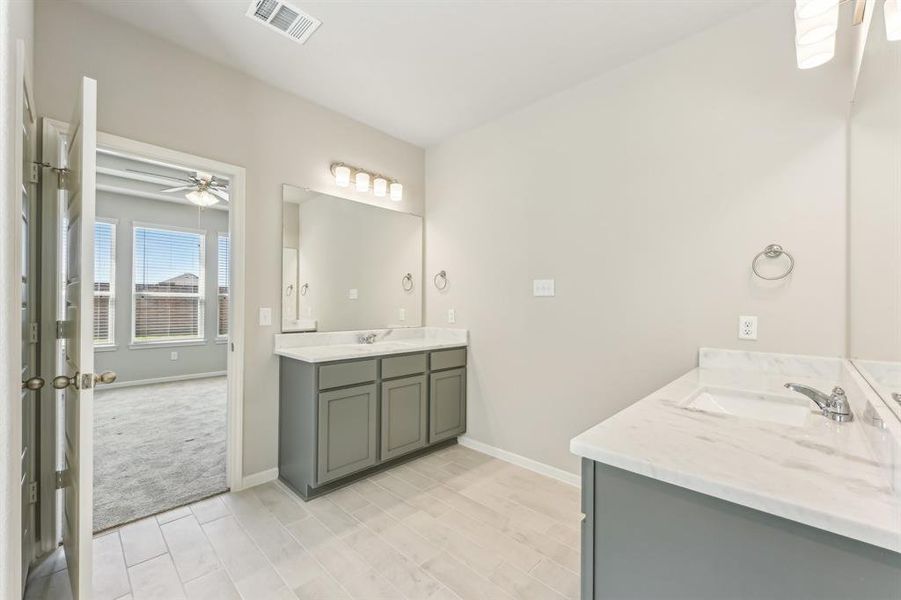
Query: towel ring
{"points": [[773, 251], [304, 288], [442, 275], [289, 290], [407, 282]]}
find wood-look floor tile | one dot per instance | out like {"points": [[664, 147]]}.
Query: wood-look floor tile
{"points": [[521, 585], [321, 587], [286, 508], [212, 586], [234, 548], [110, 577], [559, 578], [155, 579], [464, 581], [398, 535], [172, 515], [209, 509], [142, 540], [190, 550], [348, 499], [453, 542], [331, 515]]}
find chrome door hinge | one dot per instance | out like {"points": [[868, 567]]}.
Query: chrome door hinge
{"points": [[33, 492], [35, 332], [61, 173], [62, 330], [62, 479], [35, 176]]}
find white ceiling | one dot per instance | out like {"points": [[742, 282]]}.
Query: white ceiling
{"points": [[424, 70]]}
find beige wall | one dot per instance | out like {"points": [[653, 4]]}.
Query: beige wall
{"points": [[645, 193], [875, 201], [161, 94]]}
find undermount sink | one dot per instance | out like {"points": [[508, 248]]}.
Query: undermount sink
{"points": [[758, 406]]}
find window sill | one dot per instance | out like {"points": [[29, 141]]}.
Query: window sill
{"points": [[165, 344], [106, 348]]}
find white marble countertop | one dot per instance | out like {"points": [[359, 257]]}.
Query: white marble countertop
{"points": [[840, 477], [326, 347]]}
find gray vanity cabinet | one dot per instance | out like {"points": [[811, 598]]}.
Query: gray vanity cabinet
{"points": [[348, 431], [404, 416], [346, 419]]}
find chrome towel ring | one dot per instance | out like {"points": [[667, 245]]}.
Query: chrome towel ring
{"points": [[304, 288], [407, 282], [773, 251], [440, 276]]}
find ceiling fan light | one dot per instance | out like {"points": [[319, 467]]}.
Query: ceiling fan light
{"points": [[201, 198], [893, 20], [380, 186], [814, 55], [397, 192], [361, 181], [342, 175], [816, 28]]}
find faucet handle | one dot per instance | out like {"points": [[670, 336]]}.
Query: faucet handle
{"points": [[837, 391]]}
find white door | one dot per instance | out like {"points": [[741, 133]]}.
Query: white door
{"points": [[79, 183]]}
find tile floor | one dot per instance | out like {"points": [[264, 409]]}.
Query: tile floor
{"points": [[454, 524]]}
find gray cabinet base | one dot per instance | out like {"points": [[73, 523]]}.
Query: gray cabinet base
{"points": [[312, 492], [643, 538]]}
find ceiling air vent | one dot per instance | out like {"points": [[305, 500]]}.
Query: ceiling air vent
{"points": [[284, 18]]}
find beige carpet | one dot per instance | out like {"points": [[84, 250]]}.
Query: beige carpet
{"points": [[157, 447]]}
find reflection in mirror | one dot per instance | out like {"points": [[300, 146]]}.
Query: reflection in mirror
{"points": [[345, 264], [875, 216]]}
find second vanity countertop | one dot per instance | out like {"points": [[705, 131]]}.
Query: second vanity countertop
{"points": [[840, 477], [327, 347]]}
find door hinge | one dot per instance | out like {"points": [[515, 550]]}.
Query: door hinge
{"points": [[62, 479], [35, 333], [35, 176], [33, 492], [61, 173], [62, 329]]}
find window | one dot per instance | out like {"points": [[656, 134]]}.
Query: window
{"points": [[223, 284], [104, 283], [168, 285]]}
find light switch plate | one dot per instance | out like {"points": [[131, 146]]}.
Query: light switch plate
{"points": [[353, 294], [402, 314], [747, 327], [543, 287], [265, 316], [173, 356], [451, 315]]}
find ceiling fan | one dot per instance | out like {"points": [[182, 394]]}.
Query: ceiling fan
{"points": [[203, 189]]}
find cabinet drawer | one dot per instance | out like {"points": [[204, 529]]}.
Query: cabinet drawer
{"points": [[349, 373], [399, 366], [448, 359]]}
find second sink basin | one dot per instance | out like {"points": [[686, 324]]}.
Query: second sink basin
{"points": [[759, 406]]}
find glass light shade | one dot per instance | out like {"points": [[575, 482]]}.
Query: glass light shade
{"points": [[805, 9], [814, 55], [397, 192], [380, 186], [342, 176], [361, 182], [816, 28], [893, 20], [201, 198]]}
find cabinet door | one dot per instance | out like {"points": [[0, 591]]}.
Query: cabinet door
{"points": [[404, 412], [447, 404], [348, 430]]}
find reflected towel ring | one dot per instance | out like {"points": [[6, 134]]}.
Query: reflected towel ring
{"points": [[289, 290], [773, 251], [442, 275], [304, 288], [407, 282]]}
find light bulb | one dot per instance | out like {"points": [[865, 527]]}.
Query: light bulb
{"points": [[380, 186], [342, 176], [814, 55], [201, 198], [397, 192], [361, 182], [816, 28], [893, 20]]}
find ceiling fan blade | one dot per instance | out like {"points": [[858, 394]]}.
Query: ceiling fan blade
{"points": [[177, 189], [219, 194], [158, 175]]}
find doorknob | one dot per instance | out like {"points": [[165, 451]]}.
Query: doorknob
{"points": [[61, 382], [105, 377], [33, 384]]}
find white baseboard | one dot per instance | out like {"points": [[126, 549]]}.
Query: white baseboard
{"points": [[137, 382], [521, 461], [259, 478]]}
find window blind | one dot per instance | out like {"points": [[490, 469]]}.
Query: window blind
{"points": [[168, 285], [223, 284], [104, 283]]}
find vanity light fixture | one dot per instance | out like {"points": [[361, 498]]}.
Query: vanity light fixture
{"points": [[365, 181], [893, 20]]}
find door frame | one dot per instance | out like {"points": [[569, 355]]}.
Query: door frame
{"points": [[235, 364]]}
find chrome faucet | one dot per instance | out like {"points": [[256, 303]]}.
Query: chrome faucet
{"points": [[367, 338], [835, 407]]}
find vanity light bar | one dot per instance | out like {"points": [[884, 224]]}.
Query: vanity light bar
{"points": [[365, 181]]}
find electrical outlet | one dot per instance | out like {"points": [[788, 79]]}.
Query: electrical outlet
{"points": [[451, 315], [265, 316], [543, 287], [353, 294], [402, 314], [747, 328], [173, 356]]}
